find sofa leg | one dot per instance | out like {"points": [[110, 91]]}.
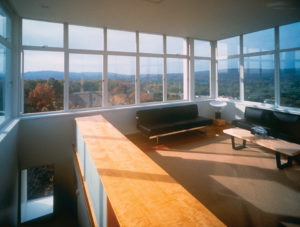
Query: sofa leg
{"points": [[282, 166], [237, 147]]}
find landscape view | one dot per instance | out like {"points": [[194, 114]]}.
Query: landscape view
{"points": [[43, 90]]}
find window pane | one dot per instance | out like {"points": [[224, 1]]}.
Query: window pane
{"points": [[85, 81], [5, 24], [259, 79], [151, 43], [121, 41], [85, 38], [175, 75], [228, 47], [289, 36], [40, 33], [151, 74], [175, 45], [259, 41], [2, 80], [202, 78], [43, 81], [229, 78], [290, 79], [201, 48], [121, 80]]}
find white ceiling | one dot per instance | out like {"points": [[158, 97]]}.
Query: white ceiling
{"points": [[204, 19]]}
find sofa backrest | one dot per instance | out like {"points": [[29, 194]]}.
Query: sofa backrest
{"points": [[260, 116], [288, 124], [167, 114], [282, 125]]}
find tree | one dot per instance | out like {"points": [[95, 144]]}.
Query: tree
{"points": [[42, 98]]}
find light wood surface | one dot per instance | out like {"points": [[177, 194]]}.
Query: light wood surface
{"points": [[140, 192], [282, 146]]}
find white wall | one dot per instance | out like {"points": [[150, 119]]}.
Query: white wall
{"points": [[9, 175]]}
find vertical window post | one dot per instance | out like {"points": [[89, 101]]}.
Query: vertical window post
{"points": [[66, 67], [277, 69], [165, 69], [241, 68], [137, 71]]}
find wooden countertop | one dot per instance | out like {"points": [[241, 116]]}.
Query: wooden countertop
{"points": [[141, 193]]}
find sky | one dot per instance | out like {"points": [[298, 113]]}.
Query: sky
{"points": [[38, 33]]}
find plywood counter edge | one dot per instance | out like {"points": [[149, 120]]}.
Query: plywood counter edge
{"points": [[158, 205]]}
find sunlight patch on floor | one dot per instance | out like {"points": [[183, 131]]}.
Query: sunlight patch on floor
{"points": [[244, 159], [36, 208], [260, 193]]}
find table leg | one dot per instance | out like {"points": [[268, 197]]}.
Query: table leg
{"points": [[237, 147], [287, 164]]}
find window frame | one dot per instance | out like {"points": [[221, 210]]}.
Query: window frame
{"points": [[7, 77]]}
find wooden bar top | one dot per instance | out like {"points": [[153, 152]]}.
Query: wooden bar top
{"points": [[140, 192]]}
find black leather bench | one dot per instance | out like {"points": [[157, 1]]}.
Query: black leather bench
{"points": [[156, 122], [285, 126]]}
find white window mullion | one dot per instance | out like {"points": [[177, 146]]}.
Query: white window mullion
{"points": [[104, 72], [214, 71], [137, 71], [165, 70], [277, 68], [242, 68], [66, 67], [186, 95], [192, 72]]}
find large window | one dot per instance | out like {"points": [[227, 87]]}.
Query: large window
{"points": [[43, 81], [121, 41], [228, 68], [229, 78], [289, 36], [2, 81], [259, 41], [290, 79], [176, 45], [85, 81], [5, 50], [121, 80], [85, 38], [202, 78], [40, 33], [150, 43], [202, 48], [5, 24], [228, 47], [175, 78], [151, 75], [100, 67], [259, 79]]}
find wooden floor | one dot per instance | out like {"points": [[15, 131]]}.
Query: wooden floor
{"points": [[242, 188]]}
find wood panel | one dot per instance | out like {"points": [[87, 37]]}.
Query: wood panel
{"points": [[140, 192]]}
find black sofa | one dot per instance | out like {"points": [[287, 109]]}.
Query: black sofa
{"points": [[155, 122], [280, 125]]}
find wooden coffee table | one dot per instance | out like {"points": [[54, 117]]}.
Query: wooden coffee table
{"points": [[279, 146]]}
